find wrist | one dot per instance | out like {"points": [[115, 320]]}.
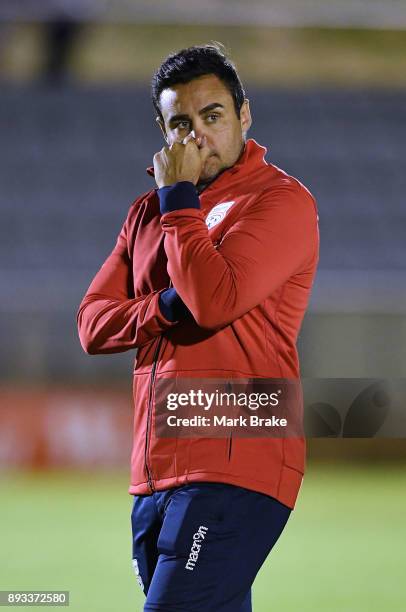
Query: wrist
{"points": [[178, 196], [171, 305]]}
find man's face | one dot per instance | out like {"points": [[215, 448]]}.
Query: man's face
{"points": [[205, 107]]}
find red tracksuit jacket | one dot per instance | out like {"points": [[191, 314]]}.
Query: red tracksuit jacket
{"points": [[244, 265]]}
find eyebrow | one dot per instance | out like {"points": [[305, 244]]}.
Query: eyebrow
{"points": [[202, 111]]}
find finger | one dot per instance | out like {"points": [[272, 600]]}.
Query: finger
{"points": [[203, 141], [188, 138], [191, 145]]}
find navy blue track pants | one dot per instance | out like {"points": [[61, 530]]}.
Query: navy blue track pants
{"points": [[198, 547]]}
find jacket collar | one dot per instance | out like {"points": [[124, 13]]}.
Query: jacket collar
{"points": [[252, 157]]}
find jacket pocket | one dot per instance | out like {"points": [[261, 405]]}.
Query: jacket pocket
{"points": [[229, 447]]}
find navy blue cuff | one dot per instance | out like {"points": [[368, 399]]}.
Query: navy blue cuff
{"points": [[171, 305], [178, 196]]}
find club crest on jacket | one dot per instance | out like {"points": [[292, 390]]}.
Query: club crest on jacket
{"points": [[217, 214]]}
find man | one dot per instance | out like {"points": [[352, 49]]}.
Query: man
{"points": [[210, 278]]}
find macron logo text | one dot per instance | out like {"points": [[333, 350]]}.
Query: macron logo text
{"points": [[196, 546]]}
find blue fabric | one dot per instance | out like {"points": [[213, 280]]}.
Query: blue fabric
{"points": [[171, 305], [178, 196], [233, 529]]}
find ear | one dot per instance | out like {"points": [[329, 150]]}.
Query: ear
{"points": [[162, 126], [245, 116]]}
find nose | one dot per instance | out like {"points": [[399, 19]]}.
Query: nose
{"points": [[198, 134]]}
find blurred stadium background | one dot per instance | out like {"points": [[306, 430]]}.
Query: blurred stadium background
{"points": [[327, 85]]}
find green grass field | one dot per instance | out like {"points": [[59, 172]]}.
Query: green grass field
{"points": [[343, 549]]}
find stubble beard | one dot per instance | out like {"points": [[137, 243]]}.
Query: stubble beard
{"points": [[206, 181]]}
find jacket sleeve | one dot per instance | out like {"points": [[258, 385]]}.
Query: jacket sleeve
{"points": [[274, 238], [110, 319]]}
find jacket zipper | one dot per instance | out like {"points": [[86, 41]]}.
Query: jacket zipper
{"points": [[150, 394]]}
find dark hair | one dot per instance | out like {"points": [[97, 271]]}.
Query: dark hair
{"points": [[193, 62]]}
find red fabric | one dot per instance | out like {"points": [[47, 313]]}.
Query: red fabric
{"points": [[246, 281]]}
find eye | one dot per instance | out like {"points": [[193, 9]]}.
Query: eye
{"points": [[212, 118], [182, 125]]}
